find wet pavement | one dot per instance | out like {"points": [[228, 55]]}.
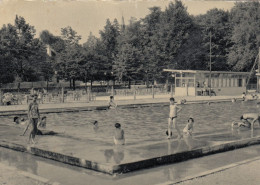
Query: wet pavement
{"points": [[103, 156], [102, 103], [166, 174]]}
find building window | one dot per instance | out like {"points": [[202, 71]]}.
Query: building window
{"points": [[178, 82], [239, 82]]}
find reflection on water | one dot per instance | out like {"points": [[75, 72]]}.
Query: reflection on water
{"points": [[147, 123], [117, 153]]}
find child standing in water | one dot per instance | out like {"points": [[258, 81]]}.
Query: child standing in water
{"points": [[174, 109], [119, 136], [188, 129], [187, 133]]}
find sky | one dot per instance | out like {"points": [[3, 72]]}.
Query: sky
{"points": [[86, 16]]}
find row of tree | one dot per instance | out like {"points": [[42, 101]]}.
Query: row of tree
{"points": [[138, 51]]}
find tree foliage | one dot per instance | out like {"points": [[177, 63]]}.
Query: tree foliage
{"points": [[245, 19], [140, 50]]}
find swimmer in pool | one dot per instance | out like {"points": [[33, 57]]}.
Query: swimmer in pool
{"points": [[172, 120], [247, 120], [188, 129], [95, 126], [42, 124], [119, 136], [20, 120]]}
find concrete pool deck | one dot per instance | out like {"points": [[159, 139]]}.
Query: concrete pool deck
{"points": [[102, 102], [102, 156]]}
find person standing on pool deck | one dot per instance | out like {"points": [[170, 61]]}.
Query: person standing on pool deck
{"points": [[34, 117], [111, 103], [174, 109]]}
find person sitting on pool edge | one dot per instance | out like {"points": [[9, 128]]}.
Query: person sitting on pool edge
{"points": [[111, 103], [247, 120], [119, 136]]}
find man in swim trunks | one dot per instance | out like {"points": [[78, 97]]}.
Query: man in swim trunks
{"points": [[174, 109]]}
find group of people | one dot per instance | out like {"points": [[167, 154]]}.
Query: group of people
{"points": [[35, 122], [247, 120], [172, 121]]}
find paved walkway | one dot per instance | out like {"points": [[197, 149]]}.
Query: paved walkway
{"points": [[12, 176], [228, 168], [246, 173], [111, 159]]}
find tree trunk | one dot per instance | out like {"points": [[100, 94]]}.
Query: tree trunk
{"points": [[18, 87], [147, 80], [91, 83], [86, 88], [47, 87], [74, 87], [114, 82], [70, 84], [129, 83]]}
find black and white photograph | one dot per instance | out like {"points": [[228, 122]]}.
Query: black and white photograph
{"points": [[129, 92]]}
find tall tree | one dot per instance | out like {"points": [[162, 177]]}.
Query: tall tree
{"points": [[24, 52], [245, 35], [69, 59], [109, 45], [216, 30]]}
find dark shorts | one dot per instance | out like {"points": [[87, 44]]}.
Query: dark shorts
{"points": [[173, 117]]}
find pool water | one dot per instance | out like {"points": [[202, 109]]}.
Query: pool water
{"points": [[146, 124]]}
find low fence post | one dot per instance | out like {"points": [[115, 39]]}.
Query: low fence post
{"points": [[62, 95], [134, 94], [153, 91], [1, 97], [171, 91], [89, 94]]}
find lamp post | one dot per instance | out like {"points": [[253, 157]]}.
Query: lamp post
{"points": [[210, 63]]}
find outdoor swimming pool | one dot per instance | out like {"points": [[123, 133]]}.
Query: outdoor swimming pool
{"points": [[146, 124]]}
